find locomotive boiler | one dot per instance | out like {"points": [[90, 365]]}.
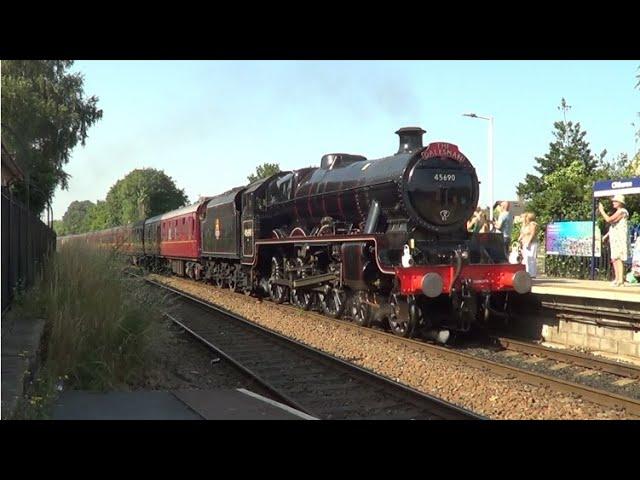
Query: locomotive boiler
{"points": [[435, 189]]}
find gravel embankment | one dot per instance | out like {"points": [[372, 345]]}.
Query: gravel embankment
{"points": [[476, 389]]}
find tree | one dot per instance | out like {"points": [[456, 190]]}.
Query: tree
{"points": [[635, 165], [44, 115], [75, 218], [98, 217], [563, 188], [141, 194], [263, 171], [58, 227]]}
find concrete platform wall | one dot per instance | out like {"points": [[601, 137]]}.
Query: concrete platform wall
{"points": [[610, 340]]}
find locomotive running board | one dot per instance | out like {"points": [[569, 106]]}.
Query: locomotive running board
{"points": [[305, 282]]}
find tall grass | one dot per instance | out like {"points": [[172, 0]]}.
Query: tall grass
{"points": [[100, 323]]}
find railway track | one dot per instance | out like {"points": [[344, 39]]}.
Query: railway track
{"points": [[529, 375], [300, 376], [577, 383], [569, 357]]}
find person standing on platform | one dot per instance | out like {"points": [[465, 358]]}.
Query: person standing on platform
{"points": [[505, 224], [472, 224], [496, 214], [483, 225], [529, 241], [618, 237], [479, 223]]}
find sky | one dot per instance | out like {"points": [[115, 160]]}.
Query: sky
{"points": [[208, 124]]}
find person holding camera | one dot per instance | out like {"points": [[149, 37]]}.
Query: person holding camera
{"points": [[618, 237]]}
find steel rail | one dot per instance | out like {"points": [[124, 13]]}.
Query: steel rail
{"points": [[569, 356], [439, 407], [626, 314], [600, 397], [247, 371]]}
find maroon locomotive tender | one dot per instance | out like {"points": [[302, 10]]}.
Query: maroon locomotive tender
{"points": [[380, 240]]}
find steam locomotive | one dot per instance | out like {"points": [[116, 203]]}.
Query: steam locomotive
{"points": [[381, 240]]}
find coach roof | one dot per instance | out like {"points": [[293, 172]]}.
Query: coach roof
{"points": [[179, 212]]}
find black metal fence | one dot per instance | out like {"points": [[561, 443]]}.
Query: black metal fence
{"points": [[580, 267], [26, 243]]}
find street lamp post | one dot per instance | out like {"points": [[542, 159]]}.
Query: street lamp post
{"points": [[490, 119]]}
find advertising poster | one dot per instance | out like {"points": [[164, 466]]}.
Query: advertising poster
{"points": [[571, 239]]}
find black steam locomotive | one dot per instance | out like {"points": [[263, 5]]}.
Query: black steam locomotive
{"points": [[381, 240]]}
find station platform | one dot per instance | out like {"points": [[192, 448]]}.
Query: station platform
{"points": [[237, 404], [594, 289], [589, 315], [20, 345]]}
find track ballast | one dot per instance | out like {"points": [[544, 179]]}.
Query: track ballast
{"points": [[307, 379]]}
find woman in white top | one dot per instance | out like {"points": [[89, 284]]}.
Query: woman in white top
{"points": [[529, 241], [618, 237]]}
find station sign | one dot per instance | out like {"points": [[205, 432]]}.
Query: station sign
{"points": [[608, 188], [572, 239]]}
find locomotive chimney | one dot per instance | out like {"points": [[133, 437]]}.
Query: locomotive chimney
{"points": [[410, 139]]}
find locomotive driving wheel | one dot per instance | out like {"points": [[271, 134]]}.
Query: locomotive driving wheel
{"points": [[233, 280], [333, 302], [402, 325], [359, 310], [302, 298], [279, 293], [218, 276], [247, 289]]}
